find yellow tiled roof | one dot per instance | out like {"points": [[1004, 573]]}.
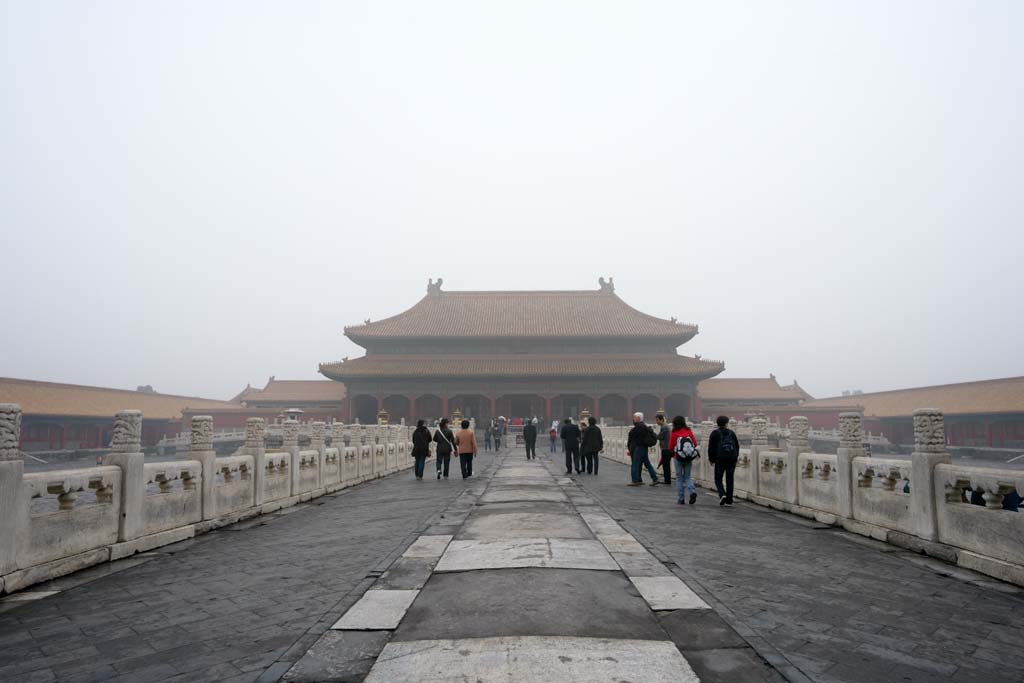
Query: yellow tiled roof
{"points": [[526, 365], [75, 400], [987, 396], [522, 314], [749, 389], [294, 390]]}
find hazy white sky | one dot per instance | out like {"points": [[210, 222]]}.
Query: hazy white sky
{"points": [[197, 195]]}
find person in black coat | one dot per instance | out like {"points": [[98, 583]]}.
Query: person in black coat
{"points": [[724, 453], [445, 440], [593, 443], [420, 447], [530, 439], [571, 438]]}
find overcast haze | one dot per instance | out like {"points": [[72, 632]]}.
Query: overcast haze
{"points": [[199, 195]]}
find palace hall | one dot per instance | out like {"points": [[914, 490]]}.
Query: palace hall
{"points": [[549, 354]]}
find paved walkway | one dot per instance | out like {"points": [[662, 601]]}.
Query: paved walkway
{"points": [[529, 579], [518, 573], [821, 602], [236, 604]]}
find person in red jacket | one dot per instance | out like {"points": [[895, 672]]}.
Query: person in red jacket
{"points": [[683, 444]]}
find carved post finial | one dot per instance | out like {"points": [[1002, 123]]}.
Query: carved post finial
{"points": [[255, 432], [759, 429], [799, 433], [10, 431], [290, 432], [929, 431], [318, 436], [850, 433], [127, 436], [202, 434]]}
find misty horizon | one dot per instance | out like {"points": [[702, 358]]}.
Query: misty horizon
{"points": [[198, 197]]}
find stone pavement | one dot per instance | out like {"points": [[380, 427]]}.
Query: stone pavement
{"points": [[518, 573], [238, 604], [529, 579], [820, 602]]}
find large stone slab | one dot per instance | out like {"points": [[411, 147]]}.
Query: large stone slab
{"points": [[523, 493], [377, 610], [641, 564], [532, 658], [667, 592], [339, 656], [621, 543], [523, 602], [563, 553], [427, 547], [524, 520]]}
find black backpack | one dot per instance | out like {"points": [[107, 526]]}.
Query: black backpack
{"points": [[727, 446], [650, 438]]}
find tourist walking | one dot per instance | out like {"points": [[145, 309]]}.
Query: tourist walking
{"points": [[553, 435], [638, 444], [445, 441], [530, 440], [684, 451], [496, 430], [465, 442], [555, 427], [571, 445], [724, 452], [420, 447], [593, 443], [665, 461], [487, 438]]}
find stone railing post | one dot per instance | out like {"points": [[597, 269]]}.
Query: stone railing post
{"points": [[929, 451], [13, 514], [290, 431], [758, 443], [799, 442], [318, 442], [256, 446], [851, 445], [201, 449], [126, 453]]}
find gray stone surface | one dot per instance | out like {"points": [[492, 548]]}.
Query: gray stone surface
{"points": [[835, 610], [339, 656], [530, 658], [515, 602], [223, 606], [557, 553], [667, 593], [377, 610]]}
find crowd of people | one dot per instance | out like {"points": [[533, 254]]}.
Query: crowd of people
{"points": [[676, 444]]}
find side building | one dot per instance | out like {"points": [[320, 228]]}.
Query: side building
{"points": [[549, 354], [72, 416], [739, 397]]}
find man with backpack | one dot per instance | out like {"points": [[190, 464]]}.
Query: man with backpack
{"points": [[638, 444], [724, 452]]}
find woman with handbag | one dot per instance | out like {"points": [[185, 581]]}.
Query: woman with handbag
{"points": [[445, 441]]}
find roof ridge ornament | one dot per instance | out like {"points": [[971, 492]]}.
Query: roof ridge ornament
{"points": [[608, 286], [433, 288]]}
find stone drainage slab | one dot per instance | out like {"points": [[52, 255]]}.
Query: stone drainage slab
{"points": [[667, 592], [529, 602], [561, 553], [428, 547], [532, 658], [377, 610]]}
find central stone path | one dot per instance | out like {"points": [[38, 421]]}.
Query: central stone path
{"points": [[524, 577]]}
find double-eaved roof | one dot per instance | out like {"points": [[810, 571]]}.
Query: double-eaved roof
{"points": [[525, 365], [525, 314], [293, 391]]}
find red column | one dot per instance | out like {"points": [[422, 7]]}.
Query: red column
{"points": [[494, 406], [444, 407], [629, 409], [596, 412], [661, 402], [547, 408], [411, 398]]}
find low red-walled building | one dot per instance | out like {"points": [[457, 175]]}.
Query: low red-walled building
{"points": [[738, 397], [59, 416]]}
